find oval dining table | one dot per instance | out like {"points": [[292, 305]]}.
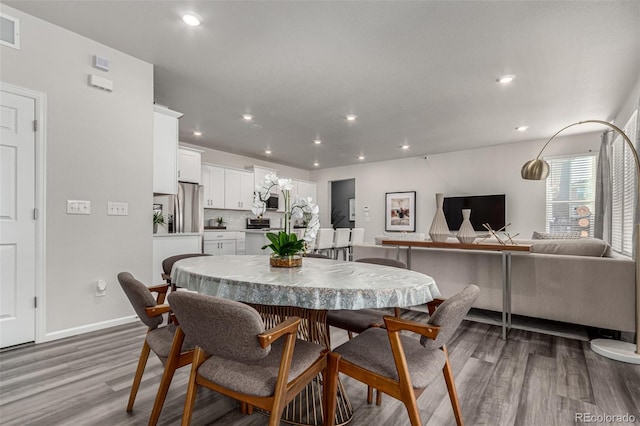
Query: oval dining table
{"points": [[308, 292]]}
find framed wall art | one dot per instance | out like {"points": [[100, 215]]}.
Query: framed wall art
{"points": [[400, 211], [352, 209]]}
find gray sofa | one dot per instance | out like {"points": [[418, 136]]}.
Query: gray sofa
{"points": [[594, 287]]}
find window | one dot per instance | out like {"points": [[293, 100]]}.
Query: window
{"points": [[571, 191], [623, 171]]}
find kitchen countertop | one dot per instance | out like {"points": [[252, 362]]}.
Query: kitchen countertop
{"points": [[177, 234]]}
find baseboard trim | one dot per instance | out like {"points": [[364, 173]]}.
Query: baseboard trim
{"points": [[87, 328]]}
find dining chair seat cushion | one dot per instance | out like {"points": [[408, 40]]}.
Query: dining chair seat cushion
{"points": [[258, 378], [161, 339], [371, 350], [356, 321]]}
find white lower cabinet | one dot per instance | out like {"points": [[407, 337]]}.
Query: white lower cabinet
{"points": [[219, 243], [166, 245]]}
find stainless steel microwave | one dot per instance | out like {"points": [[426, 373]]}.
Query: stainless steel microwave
{"points": [[272, 202]]}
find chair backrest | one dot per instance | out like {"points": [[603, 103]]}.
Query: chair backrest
{"points": [[449, 315], [167, 264], [383, 261], [324, 238], [140, 297], [357, 236], [221, 327], [342, 237]]}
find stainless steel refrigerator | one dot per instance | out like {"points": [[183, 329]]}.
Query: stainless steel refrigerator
{"points": [[187, 208]]}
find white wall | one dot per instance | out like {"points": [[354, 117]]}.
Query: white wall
{"points": [[483, 171], [98, 148]]}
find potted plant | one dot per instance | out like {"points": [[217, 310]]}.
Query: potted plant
{"points": [[286, 246], [158, 219], [219, 223], [286, 249]]}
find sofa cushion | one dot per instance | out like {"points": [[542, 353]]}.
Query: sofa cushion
{"points": [[583, 247], [555, 235]]}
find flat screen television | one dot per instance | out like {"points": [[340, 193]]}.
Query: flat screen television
{"points": [[489, 209]]}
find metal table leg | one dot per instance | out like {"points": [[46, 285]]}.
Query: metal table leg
{"points": [[506, 294], [306, 407]]}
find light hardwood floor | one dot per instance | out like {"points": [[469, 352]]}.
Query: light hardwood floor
{"points": [[532, 379]]}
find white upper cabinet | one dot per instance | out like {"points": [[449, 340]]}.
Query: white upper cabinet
{"points": [[213, 182], [189, 167], [308, 189], [259, 174], [165, 150], [238, 189]]}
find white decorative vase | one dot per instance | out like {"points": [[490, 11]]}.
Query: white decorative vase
{"points": [[466, 234], [439, 231]]}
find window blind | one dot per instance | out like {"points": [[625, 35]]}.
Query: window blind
{"points": [[570, 205], [623, 171]]}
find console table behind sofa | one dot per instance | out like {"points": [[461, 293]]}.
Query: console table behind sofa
{"points": [[592, 291]]}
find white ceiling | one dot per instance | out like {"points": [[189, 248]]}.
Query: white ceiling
{"points": [[421, 73]]}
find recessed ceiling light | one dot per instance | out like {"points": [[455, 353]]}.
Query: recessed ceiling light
{"points": [[351, 117], [361, 157], [197, 133], [405, 146], [522, 128], [247, 117], [506, 79], [316, 164], [317, 141], [268, 151], [191, 19]]}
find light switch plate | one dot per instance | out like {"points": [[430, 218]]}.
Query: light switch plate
{"points": [[78, 207], [117, 209]]}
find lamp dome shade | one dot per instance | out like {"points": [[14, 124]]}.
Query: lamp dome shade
{"points": [[535, 170]]}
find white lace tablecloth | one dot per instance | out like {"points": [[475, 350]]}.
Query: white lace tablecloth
{"points": [[317, 284]]}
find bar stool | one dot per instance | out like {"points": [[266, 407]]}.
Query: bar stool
{"points": [[324, 240], [357, 237], [341, 242]]}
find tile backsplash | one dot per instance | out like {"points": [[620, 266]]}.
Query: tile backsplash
{"points": [[237, 219]]}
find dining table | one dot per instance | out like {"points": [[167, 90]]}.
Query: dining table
{"points": [[308, 292]]}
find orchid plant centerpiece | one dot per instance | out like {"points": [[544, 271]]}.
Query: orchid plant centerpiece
{"points": [[285, 244]]}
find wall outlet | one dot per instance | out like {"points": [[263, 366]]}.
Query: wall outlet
{"points": [[101, 288], [117, 209], [78, 207]]}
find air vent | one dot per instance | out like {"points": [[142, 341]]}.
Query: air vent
{"points": [[9, 31]]}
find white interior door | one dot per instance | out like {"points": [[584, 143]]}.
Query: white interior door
{"points": [[17, 223]]}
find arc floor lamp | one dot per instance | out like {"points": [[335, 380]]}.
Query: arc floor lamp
{"points": [[538, 169]]}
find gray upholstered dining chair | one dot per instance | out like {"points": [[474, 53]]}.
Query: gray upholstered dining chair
{"points": [[167, 342], [400, 365], [357, 321], [167, 265], [235, 356]]}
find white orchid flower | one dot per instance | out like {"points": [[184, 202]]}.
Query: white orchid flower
{"points": [[285, 184]]}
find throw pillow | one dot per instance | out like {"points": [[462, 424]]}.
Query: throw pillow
{"points": [[574, 235], [583, 247]]}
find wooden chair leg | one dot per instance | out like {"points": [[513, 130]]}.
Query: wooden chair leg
{"points": [[192, 387], [243, 407], [142, 362], [330, 394], [369, 395], [350, 335], [451, 387], [249, 409], [412, 408], [170, 367], [378, 397]]}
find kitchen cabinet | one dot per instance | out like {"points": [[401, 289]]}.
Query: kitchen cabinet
{"points": [[259, 173], [219, 243], [165, 150], [213, 186], [166, 245], [302, 189], [238, 189], [189, 167]]}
